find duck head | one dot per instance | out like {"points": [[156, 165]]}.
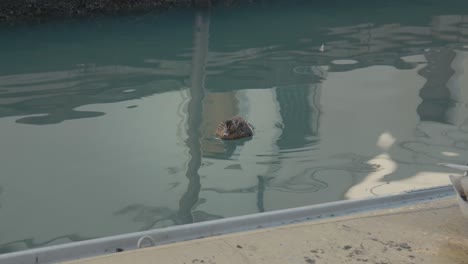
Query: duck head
{"points": [[229, 128]]}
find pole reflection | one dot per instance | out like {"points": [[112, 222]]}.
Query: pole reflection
{"points": [[195, 115]]}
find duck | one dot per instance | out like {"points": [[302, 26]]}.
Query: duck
{"points": [[460, 184], [234, 128]]}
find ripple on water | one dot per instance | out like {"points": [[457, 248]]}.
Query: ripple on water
{"points": [[344, 62]]}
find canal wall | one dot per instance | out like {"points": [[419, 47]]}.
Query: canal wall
{"points": [[18, 10]]}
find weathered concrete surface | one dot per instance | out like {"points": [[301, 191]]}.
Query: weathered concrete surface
{"points": [[433, 232], [17, 10]]}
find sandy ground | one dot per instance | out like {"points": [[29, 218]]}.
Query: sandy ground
{"points": [[431, 232]]}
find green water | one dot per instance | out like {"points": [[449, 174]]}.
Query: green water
{"points": [[107, 124]]}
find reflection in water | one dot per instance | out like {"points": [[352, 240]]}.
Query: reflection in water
{"points": [[435, 95], [58, 94], [298, 124], [194, 116], [216, 108], [149, 216], [261, 193], [319, 117], [30, 243], [152, 215]]}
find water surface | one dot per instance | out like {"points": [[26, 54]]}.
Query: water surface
{"points": [[107, 123]]}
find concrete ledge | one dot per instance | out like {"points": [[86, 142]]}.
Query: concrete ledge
{"points": [[425, 233], [173, 234]]}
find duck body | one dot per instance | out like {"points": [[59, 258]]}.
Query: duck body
{"points": [[234, 128]]}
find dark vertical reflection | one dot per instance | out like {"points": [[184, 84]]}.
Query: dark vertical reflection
{"points": [[296, 114], [435, 94], [194, 113], [261, 193]]}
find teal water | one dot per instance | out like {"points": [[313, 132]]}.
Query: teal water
{"points": [[107, 124]]}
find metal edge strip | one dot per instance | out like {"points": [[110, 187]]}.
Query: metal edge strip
{"points": [[107, 245]]}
